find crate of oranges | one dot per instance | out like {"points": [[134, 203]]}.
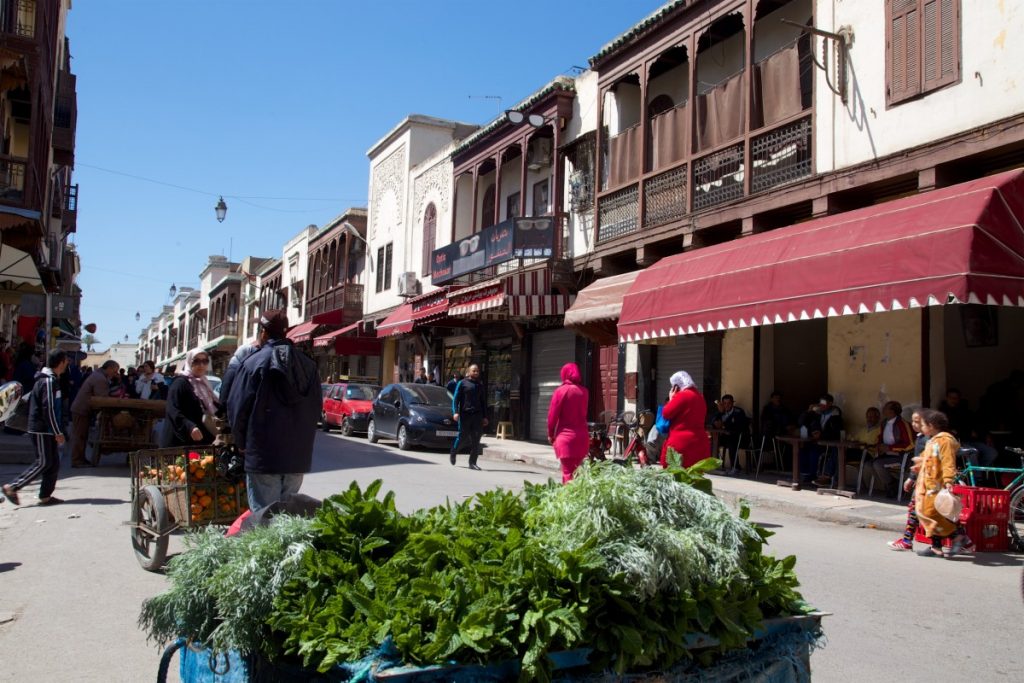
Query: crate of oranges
{"points": [[194, 492]]}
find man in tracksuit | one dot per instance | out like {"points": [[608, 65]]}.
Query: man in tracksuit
{"points": [[47, 430], [469, 409]]}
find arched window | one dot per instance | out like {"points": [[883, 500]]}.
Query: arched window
{"points": [[429, 236]]}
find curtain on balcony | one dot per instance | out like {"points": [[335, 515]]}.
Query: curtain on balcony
{"points": [[720, 113], [624, 157], [777, 83], [668, 133]]}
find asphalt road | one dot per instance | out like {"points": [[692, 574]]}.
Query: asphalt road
{"points": [[70, 588]]}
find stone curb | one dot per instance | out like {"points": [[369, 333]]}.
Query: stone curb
{"points": [[894, 522]]}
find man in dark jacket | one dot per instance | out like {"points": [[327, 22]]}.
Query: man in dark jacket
{"points": [[273, 408], [47, 429], [469, 410]]}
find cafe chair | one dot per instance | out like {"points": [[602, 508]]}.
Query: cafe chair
{"points": [[776, 456]]}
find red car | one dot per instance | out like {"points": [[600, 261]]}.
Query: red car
{"points": [[349, 405]]}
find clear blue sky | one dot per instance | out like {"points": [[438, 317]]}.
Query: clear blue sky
{"points": [[251, 98]]}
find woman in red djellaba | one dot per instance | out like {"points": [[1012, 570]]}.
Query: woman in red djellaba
{"points": [[567, 421], [686, 412]]}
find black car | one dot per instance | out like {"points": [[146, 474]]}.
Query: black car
{"points": [[414, 415]]}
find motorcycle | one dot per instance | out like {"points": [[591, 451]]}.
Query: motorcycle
{"points": [[600, 444]]}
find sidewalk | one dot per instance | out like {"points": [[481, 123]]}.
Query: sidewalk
{"points": [[760, 494]]}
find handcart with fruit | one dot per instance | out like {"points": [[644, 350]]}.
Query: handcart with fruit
{"points": [[179, 488]]}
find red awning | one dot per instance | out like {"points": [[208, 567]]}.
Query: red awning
{"points": [[328, 339], [961, 244], [302, 332], [399, 322], [335, 317], [595, 312], [348, 342], [430, 306]]}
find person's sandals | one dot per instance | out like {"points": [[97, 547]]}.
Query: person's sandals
{"points": [[900, 544], [10, 494], [929, 551], [50, 501]]}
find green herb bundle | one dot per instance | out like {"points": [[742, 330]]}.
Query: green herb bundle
{"points": [[222, 589]]}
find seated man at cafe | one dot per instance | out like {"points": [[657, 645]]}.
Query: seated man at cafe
{"points": [[823, 421], [735, 422], [776, 419], [963, 424], [868, 434]]}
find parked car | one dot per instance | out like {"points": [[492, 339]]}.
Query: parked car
{"points": [[414, 415], [215, 383], [348, 405]]}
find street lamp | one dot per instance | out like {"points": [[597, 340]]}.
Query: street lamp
{"points": [[138, 316], [221, 209], [172, 291], [126, 339]]}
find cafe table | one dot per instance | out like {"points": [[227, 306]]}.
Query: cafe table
{"points": [[841, 445], [794, 445]]}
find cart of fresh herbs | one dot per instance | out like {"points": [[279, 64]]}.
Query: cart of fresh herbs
{"points": [[625, 562]]}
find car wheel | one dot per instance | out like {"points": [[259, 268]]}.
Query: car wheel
{"points": [[346, 427], [371, 432], [323, 422], [403, 438]]}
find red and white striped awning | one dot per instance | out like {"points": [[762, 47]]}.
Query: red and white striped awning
{"points": [[960, 244], [399, 322], [521, 295]]}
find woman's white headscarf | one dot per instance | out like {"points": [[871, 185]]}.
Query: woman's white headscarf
{"points": [[682, 380]]}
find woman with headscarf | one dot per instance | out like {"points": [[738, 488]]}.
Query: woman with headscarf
{"points": [[686, 412], [567, 421], [189, 400]]}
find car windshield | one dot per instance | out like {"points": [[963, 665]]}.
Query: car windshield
{"points": [[428, 394], [361, 392]]}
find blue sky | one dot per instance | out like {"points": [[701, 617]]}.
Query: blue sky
{"points": [[274, 105]]}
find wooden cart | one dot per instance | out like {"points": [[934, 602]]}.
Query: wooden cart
{"points": [[123, 425], [178, 488]]}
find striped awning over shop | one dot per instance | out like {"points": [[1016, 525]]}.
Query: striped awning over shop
{"points": [[520, 295], [399, 322]]}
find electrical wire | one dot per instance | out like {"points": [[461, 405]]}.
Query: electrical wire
{"points": [[241, 198]]}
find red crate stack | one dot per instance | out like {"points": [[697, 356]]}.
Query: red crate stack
{"points": [[985, 515]]}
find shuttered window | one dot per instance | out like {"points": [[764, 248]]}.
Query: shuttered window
{"points": [[429, 236], [922, 47]]}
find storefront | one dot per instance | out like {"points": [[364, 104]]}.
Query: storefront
{"points": [[897, 301], [350, 353], [550, 351]]}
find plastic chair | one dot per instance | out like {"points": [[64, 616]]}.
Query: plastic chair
{"points": [[776, 456]]}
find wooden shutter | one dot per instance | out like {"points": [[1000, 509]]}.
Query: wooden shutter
{"points": [[387, 265], [940, 33], [429, 236], [903, 50]]}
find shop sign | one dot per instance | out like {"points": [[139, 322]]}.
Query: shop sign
{"points": [[516, 238]]}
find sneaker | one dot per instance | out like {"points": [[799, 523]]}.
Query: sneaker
{"points": [[958, 546], [474, 466], [900, 544]]}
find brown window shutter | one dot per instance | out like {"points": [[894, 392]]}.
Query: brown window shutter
{"points": [[903, 47], [940, 31]]}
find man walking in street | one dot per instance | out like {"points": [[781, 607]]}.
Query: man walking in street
{"points": [[273, 408], [469, 408], [46, 427], [97, 384]]}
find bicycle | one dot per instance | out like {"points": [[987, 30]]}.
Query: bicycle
{"points": [[1016, 485]]}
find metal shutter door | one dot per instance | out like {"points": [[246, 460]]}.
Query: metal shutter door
{"points": [[687, 354], [551, 350]]}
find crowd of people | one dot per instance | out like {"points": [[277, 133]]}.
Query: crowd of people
{"points": [[270, 397]]}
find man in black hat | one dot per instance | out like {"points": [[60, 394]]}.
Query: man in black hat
{"points": [[273, 408]]}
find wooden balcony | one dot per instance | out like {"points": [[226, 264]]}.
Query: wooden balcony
{"points": [[228, 328], [65, 119], [345, 299], [12, 180]]}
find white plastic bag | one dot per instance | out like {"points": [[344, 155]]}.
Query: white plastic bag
{"points": [[948, 505]]}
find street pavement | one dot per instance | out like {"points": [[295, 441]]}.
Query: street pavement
{"points": [[70, 588]]}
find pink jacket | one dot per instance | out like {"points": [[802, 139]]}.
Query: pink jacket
{"points": [[567, 416], [685, 413]]}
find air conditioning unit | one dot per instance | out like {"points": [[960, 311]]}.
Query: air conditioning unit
{"points": [[408, 285], [538, 154]]}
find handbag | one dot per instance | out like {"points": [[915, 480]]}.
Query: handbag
{"points": [[19, 420]]}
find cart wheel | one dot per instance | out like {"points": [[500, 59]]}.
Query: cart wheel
{"points": [[149, 522]]}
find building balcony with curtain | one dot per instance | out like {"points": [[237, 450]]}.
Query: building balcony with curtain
{"points": [[345, 299], [722, 114]]}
